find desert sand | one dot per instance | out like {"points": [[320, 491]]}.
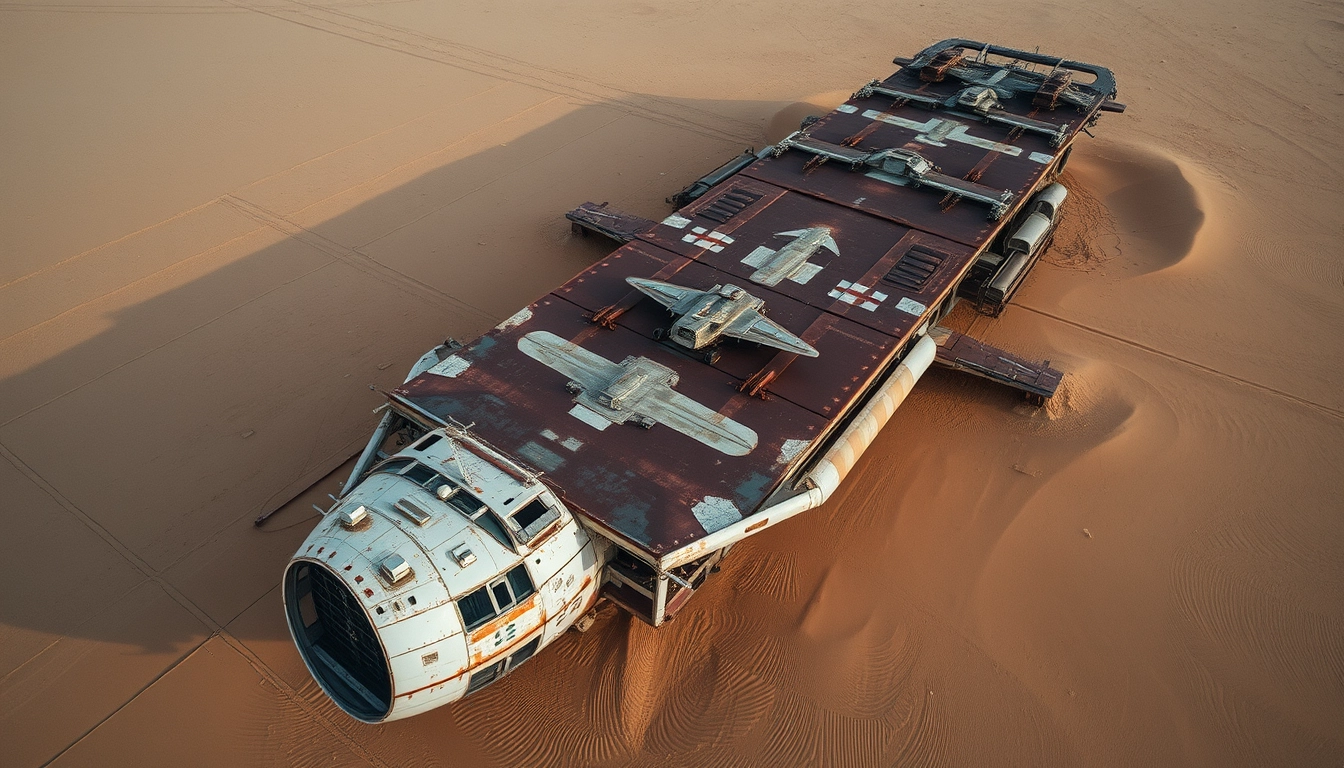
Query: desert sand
{"points": [[221, 222]]}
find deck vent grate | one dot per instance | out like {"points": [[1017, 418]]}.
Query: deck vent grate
{"points": [[915, 268], [729, 204]]}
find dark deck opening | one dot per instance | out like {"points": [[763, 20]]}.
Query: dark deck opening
{"points": [[337, 641]]}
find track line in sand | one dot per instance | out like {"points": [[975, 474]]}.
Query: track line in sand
{"points": [[373, 180], [1325, 409], [316, 158], [180, 263], [352, 257], [216, 629], [157, 347], [387, 131], [484, 129], [490, 64], [493, 181], [114, 241]]}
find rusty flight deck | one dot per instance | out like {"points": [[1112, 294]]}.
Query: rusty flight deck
{"points": [[895, 195]]}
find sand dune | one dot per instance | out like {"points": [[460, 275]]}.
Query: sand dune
{"points": [[224, 221]]}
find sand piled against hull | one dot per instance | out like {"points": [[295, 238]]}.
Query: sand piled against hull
{"points": [[224, 222]]}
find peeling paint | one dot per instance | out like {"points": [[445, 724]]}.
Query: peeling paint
{"points": [[590, 417], [518, 610], [790, 450], [451, 367], [517, 319], [545, 460], [715, 513]]}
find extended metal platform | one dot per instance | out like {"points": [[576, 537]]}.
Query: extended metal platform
{"points": [[962, 353], [608, 222]]}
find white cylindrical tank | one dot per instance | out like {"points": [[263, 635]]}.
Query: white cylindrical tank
{"points": [[1030, 235], [1048, 200], [1007, 277]]}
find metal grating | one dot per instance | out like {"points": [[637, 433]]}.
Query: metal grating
{"points": [[915, 268], [347, 637], [729, 204]]}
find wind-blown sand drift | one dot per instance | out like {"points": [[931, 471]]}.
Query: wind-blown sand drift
{"points": [[223, 222]]}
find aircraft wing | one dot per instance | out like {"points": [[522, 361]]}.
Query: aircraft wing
{"points": [[657, 401], [666, 294], [675, 410], [753, 326], [826, 241], [591, 371]]}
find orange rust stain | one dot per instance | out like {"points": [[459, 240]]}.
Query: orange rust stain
{"points": [[592, 601], [448, 679], [504, 620], [546, 534], [479, 659]]}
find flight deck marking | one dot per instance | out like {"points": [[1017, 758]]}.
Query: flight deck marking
{"points": [[703, 238], [853, 293], [450, 367], [590, 417], [911, 307]]}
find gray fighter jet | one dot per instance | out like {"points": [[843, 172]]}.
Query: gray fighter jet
{"points": [[704, 317], [636, 390], [791, 261]]}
